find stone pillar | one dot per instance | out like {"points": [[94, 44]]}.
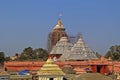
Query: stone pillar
{"points": [[58, 78], [61, 78], [55, 79], [41, 78]]}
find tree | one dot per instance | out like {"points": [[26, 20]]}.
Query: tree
{"points": [[7, 58], [109, 54], [98, 55], [24, 57], [2, 58], [34, 54], [27, 54], [41, 54], [114, 52]]}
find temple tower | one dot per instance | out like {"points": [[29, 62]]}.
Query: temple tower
{"points": [[81, 51], [50, 71], [61, 50], [54, 37]]}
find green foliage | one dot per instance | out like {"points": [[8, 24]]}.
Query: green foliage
{"points": [[24, 57], [2, 55], [98, 55], [114, 52], [41, 53], [2, 58], [7, 59], [34, 54]]}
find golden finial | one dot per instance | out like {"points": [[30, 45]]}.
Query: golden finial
{"points": [[60, 21]]}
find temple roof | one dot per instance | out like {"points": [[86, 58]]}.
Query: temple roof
{"points": [[3, 73], [81, 51], [50, 68], [63, 47], [59, 25]]}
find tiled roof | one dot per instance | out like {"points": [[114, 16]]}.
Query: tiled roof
{"points": [[3, 73]]}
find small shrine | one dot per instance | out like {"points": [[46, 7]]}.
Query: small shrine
{"points": [[4, 75], [50, 71]]}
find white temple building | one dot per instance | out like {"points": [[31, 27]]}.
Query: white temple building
{"points": [[68, 51], [81, 51], [62, 48]]}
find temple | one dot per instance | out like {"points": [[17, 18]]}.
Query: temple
{"points": [[79, 55], [50, 71], [54, 37], [81, 51], [62, 49]]}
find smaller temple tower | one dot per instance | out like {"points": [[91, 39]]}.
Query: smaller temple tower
{"points": [[61, 50], [54, 37], [81, 51], [50, 71]]}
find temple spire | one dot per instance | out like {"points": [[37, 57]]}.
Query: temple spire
{"points": [[59, 20], [81, 51], [81, 36], [60, 15], [59, 25]]}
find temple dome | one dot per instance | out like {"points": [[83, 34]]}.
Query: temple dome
{"points": [[59, 25]]}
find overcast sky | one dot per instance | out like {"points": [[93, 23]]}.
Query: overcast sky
{"points": [[25, 23]]}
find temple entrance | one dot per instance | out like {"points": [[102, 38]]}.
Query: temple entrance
{"points": [[51, 79], [64, 78], [99, 68], [5, 69]]}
